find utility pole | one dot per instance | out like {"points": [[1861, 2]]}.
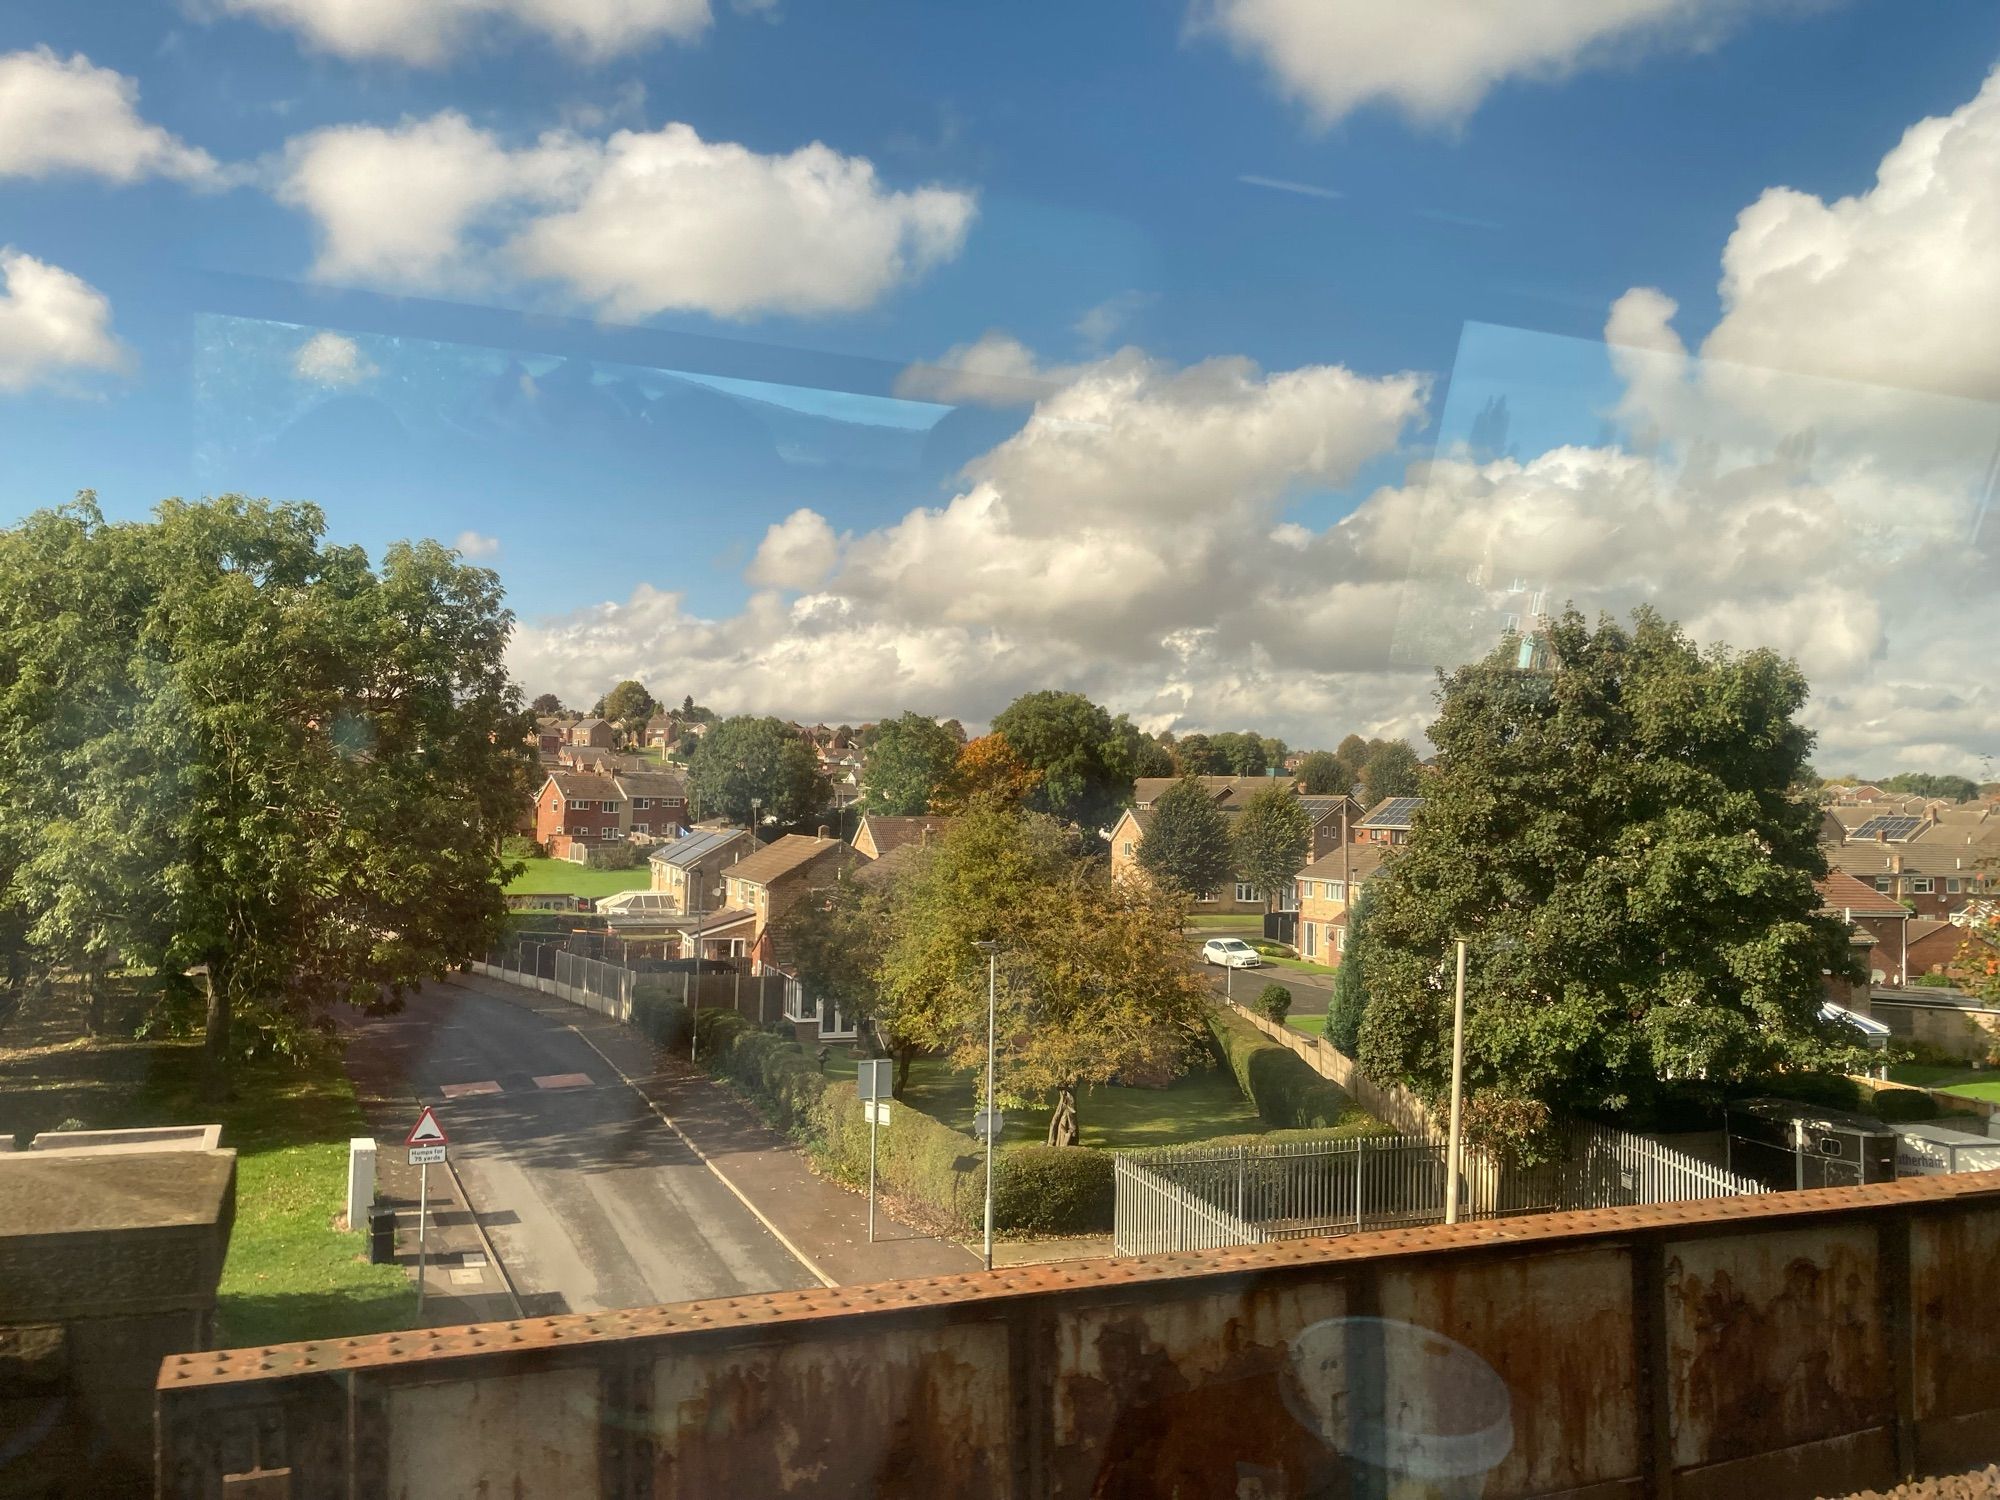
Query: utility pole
{"points": [[992, 952], [1454, 1145]]}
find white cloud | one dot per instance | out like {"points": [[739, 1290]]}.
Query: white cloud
{"points": [[61, 117], [636, 224], [426, 33], [51, 323], [996, 369], [1437, 59], [476, 544], [329, 358], [796, 553]]}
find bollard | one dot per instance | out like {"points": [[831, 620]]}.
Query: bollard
{"points": [[360, 1180]]}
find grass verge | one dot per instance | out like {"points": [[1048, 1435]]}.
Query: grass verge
{"points": [[546, 877]]}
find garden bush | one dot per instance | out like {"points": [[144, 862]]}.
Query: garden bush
{"points": [[1827, 1090], [664, 1020], [1893, 1104], [1277, 1081], [1053, 1190], [1275, 1001]]}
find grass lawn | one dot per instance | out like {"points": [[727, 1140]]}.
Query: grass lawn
{"points": [[544, 877], [1968, 1083], [289, 1274], [1194, 1107], [1311, 1022], [1304, 965], [1236, 922]]}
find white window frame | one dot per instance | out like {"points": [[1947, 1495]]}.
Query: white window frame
{"points": [[1340, 938], [642, 804], [1923, 885], [1245, 891], [610, 807], [642, 827], [1129, 847], [1951, 886], [1207, 899], [1336, 890], [1312, 938], [1885, 885]]}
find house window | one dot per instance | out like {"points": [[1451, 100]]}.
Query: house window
{"points": [[1951, 886], [640, 804], [1884, 884], [642, 827], [1336, 890], [1245, 891], [1340, 940], [1312, 938], [1129, 847], [1207, 898], [1922, 885]]}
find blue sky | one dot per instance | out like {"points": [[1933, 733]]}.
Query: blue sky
{"points": [[1121, 172]]}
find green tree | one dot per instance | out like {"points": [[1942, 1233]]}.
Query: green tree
{"points": [[1241, 754], [289, 772], [1348, 1003], [1187, 847], [1084, 764], [1093, 977], [545, 705], [1323, 774], [1352, 753], [1924, 784], [1272, 837], [629, 705], [912, 757], [1146, 755], [1391, 771], [691, 712], [1275, 751], [1619, 839], [836, 936], [746, 758], [1195, 756]]}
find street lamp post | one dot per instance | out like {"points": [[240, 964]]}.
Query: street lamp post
{"points": [[992, 952], [756, 804], [1454, 1146]]}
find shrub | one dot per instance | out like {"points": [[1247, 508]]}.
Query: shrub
{"points": [[1275, 1001], [520, 846], [917, 1158], [1053, 1190], [1894, 1104], [1284, 1089], [664, 1020], [1827, 1090]]}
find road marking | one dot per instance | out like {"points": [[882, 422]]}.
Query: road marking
{"points": [[563, 1080], [461, 1090], [720, 1176]]}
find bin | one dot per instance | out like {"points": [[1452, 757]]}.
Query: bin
{"points": [[381, 1235]]}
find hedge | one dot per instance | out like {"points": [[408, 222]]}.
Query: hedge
{"points": [[1054, 1190], [1282, 1085]]}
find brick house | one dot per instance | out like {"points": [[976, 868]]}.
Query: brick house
{"points": [[1934, 874], [766, 883], [589, 807], [599, 732], [1326, 892], [1881, 921], [547, 737], [1942, 948], [691, 869], [656, 802], [1389, 821]]}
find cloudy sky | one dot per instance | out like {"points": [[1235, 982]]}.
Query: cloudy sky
{"points": [[1238, 364]]}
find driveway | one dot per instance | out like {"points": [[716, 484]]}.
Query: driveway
{"points": [[589, 1200]]}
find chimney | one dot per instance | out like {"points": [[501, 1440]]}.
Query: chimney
{"points": [[824, 831]]}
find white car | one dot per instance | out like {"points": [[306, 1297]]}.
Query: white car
{"points": [[1231, 953]]}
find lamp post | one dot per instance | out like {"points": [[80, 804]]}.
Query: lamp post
{"points": [[992, 952], [756, 803], [1455, 1143]]}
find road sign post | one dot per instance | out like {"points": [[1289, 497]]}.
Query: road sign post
{"points": [[874, 1081], [426, 1142]]}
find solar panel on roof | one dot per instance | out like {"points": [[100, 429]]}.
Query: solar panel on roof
{"points": [[1895, 830], [1399, 812]]}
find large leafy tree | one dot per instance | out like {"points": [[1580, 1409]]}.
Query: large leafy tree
{"points": [[1241, 754], [1146, 755], [987, 769], [1924, 784], [1352, 753], [1194, 755], [282, 769], [1272, 837], [911, 758], [1084, 763], [1391, 770], [1323, 774], [546, 704], [836, 935], [1186, 847], [1093, 978], [629, 704], [1619, 839], [747, 758]]}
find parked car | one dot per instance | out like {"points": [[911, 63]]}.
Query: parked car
{"points": [[1231, 953]]}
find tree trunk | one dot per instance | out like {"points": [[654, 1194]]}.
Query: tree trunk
{"points": [[904, 1055], [1062, 1122], [216, 1026], [93, 978]]}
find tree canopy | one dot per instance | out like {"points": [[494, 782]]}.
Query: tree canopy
{"points": [[1084, 763], [987, 769], [1619, 838], [232, 748], [748, 758], [912, 757], [1271, 840], [546, 704], [1391, 770], [1187, 847], [629, 704], [1348, 1003], [1093, 978], [1324, 774], [1924, 784]]}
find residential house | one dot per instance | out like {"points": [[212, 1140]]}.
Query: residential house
{"points": [[661, 733], [1934, 860], [657, 801], [586, 758], [766, 883], [1959, 953], [599, 732], [1880, 921], [879, 835], [1331, 817], [547, 737], [1389, 821], [690, 869], [1326, 892], [590, 807]]}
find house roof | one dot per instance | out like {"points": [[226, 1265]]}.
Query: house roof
{"points": [[1840, 891], [1947, 857], [1392, 812], [892, 833], [889, 866], [1918, 931], [591, 723], [660, 784], [1359, 860], [783, 857], [583, 786], [682, 853], [1147, 790]]}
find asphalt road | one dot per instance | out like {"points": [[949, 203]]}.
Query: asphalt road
{"points": [[590, 1201]]}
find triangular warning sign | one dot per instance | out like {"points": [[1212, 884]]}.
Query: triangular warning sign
{"points": [[427, 1131]]}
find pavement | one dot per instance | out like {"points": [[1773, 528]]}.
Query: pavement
{"points": [[590, 1173]]}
